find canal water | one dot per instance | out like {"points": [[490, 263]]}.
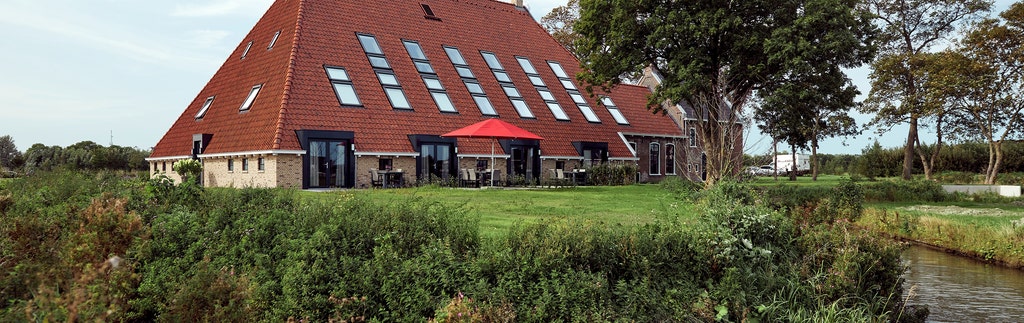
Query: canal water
{"points": [[958, 289]]}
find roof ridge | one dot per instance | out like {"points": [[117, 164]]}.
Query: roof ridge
{"points": [[289, 78]]}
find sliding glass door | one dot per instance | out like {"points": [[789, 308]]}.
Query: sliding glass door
{"points": [[328, 163]]}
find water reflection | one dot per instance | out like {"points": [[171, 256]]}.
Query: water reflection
{"points": [[958, 289]]}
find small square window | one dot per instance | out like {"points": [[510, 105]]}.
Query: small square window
{"points": [[387, 79], [433, 84], [522, 108], [474, 88], [465, 72], [274, 40], [423, 67], [414, 49], [492, 61], [536, 80], [370, 44], [249, 99], [568, 85], [526, 65], [558, 111], [557, 68], [346, 94], [397, 97], [485, 105], [204, 109], [455, 56], [337, 74], [444, 103], [246, 51], [379, 62], [502, 77], [546, 95], [511, 91]]}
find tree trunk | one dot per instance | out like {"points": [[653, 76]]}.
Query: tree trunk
{"points": [[792, 168], [995, 158], [908, 150], [775, 160], [814, 158]]}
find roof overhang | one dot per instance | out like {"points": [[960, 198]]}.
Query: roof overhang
{"points": [[152, 159], [254, 153]]}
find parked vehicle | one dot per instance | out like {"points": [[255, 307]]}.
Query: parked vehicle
{"points": [[785, 163]]}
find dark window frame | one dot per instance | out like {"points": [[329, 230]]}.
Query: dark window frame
{"points": [[565, 79], [245, 165], [254, 93], [205, 109], [654, 158], [542, 88], [467, 80], [261, 164], [431, 75], [500, 68], [231, 165], [381, 69], [610, 105], [670, 159], [346, 81]]}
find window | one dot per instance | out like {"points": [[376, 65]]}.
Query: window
{"points": [[231, 165], [246, 51], [479, 97], [506, 84], [206, 107], [581, 103], [384, 73], [343, 87], [693, 137], [560, 164], [614, 110], [670, 159], [655, 159], [426, 10], [245, 164], [538, 84], [274, 40], [249, 99], [430, 79], [384, 164], [261, 164], [164, 167]]}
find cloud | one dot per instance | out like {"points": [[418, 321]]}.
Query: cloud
{"points": [[208, 38], [220, 8]]}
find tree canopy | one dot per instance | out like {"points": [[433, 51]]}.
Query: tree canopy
{"points": [[714, 55], [909, 30]]}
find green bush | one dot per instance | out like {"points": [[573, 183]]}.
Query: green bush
{"points": [[904, 191]]}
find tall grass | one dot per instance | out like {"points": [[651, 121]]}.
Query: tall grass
{"points": [[100, 247]]}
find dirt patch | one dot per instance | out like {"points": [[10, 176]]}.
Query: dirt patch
{"points": [[956, 210]]}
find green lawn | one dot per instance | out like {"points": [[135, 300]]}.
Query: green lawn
{"points": [[823, 180], [500, 208]]}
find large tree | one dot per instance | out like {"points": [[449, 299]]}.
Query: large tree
{"points": [[991, 84], [9, 154], [559, 23], [713, 55], [910, 29]]}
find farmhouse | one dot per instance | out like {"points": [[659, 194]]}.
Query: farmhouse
{"points": [[323, 93]]}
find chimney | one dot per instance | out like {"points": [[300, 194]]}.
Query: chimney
{"points": [[518, 3]]}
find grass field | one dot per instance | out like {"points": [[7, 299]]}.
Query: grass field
{"points": [[500, 208]]}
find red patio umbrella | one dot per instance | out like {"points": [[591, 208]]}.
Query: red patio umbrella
{"points": [[495, 129]]}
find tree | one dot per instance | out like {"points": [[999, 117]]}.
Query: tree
{"points": [[559, 23], [712, 55], [990, 93], [9, 154], [910, 28]]}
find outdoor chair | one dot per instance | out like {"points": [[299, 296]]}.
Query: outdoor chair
{"points": [[560, 177], [376, 179], [469, 178]]}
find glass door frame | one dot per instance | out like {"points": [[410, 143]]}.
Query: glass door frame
{"points": [[308, 137]]}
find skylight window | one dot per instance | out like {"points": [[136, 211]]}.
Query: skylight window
{"points": [[426, 9], [274, 40], [385, 75], [249, 99], [574, 93], [479, 97], [437, 91], [246, 51], [614, 110], [538, 84], [370, 45], [343, 87], [506, 84], [206, 107]]}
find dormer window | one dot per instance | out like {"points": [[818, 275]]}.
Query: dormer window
{"points": [[249, 99], [206, 107]]}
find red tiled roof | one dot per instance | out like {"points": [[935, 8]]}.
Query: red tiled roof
{"points": [[296, 94]]}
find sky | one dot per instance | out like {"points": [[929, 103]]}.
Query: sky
{"points": [[122, 71]]}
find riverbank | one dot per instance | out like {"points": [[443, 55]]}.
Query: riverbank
{"points": [[990, 234]]}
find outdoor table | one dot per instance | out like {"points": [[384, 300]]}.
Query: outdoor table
{"points": [[390, 176], [579, 176]]}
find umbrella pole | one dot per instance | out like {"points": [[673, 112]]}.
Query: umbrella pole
{"points": [[493, 166]]}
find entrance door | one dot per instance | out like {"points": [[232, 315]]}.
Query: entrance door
{"points": [[435, 162], [523, 163], [328, 163]]}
